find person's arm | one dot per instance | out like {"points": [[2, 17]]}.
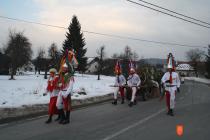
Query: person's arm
{"points": [[116, 82], [178, 82], [139, 81], [70, 88], [123, 80], [163, 80], [129, 81]]}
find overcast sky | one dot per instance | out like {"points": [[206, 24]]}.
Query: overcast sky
{"points": [[117, 17]]}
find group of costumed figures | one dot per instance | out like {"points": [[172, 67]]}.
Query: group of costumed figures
{"points": [[60, 86], [170, 84]]}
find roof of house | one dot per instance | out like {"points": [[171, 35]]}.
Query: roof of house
{"points": [[185, 67]]}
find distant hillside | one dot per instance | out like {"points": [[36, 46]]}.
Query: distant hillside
{"points": [[153, 61]]}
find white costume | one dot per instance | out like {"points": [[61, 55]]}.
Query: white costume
{"points": [[134, 81], [171, 88], [119, 81], [68, 90]]}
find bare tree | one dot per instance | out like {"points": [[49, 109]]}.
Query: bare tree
{"points": [[135, 56], [101, 54], [195, 56], [208, 62], [19, 50], [40, 60], [128, 53], [54, 56]]}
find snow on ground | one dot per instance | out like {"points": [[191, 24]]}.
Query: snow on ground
{"points": [[29, 89], [202, 80]]}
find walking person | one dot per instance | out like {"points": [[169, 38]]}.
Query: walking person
{"points": [[52, 90], [171, 84]]}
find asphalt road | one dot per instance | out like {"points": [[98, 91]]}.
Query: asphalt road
{"points": [[145, 121]]}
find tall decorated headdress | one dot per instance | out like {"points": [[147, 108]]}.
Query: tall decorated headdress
{"points": [[170, 62], [68, 62], [170, 65], [118, 68], [132, 66]]}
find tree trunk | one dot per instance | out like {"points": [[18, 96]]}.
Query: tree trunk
{"points": [[12, 74], [45, 74], [99, 76]]}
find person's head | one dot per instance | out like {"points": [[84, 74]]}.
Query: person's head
{"points": [[170, 69], [117, 72], [64, 68], [52, 72], [132, 71]]}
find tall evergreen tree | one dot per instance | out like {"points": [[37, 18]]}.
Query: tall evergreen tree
{"points": [[76, 41]]}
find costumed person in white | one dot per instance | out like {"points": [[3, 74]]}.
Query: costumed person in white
{"points": [[120, 81], [52, 90], [66, 82], [171, 84], [134, 83]]}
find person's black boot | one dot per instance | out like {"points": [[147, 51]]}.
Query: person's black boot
{"points": [[67, 119], [135, 102], [114, 102], [123, 101], [49, 119], [58, 118], [171, 113], [168, 113], [130, 104], [62, 116]]}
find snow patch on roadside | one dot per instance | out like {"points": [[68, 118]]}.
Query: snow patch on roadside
{"points": [[29, 89]]}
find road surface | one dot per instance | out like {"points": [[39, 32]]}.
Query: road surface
{"points": [[145, 121]]}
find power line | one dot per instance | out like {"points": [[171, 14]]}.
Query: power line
{"points": [[104, 34], [189, 21], [175, 12]]}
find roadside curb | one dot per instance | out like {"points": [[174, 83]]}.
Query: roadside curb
{"points": [[27, 111]]}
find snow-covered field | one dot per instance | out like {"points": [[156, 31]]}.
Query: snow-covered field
{"points": [[29, 89], [202, 80]]}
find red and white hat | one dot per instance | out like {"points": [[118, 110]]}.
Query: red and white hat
{"points": [[170, 62], [118, 68], [132, 67]]}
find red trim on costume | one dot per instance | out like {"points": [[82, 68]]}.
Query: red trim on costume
{"points": [[168, 100], [52, 84], [170, 78], [122, 92], [67, 103], [52, 106]]}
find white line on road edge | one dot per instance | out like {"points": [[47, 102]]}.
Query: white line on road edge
{"points": [[31, 119], [133, 125], [4, 124]]}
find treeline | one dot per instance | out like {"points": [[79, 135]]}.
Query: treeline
{"points": [[18, 51]]}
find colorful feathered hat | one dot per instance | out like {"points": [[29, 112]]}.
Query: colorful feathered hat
{"points": [[132, 67], [118, 68], [68, 61]]}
